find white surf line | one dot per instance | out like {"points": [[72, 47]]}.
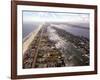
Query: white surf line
{"points": [[30, 39]]}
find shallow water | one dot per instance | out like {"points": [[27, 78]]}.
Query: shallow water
{"points": [[78, 31]]}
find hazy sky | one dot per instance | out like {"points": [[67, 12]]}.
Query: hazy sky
{"points": [[29, 16]]}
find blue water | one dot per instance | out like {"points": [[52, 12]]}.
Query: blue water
{"points": [[78, 31], [28, 28]]}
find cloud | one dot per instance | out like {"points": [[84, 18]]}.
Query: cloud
{"points": [[30, 16]]}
